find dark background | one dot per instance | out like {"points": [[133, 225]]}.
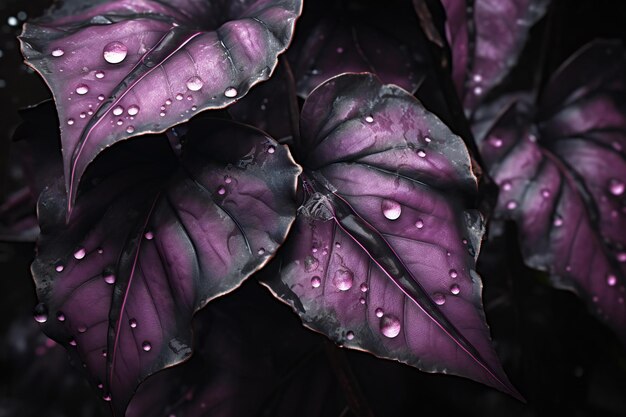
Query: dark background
{"points": [[561, 359]]}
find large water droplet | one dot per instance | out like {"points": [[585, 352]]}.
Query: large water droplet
{"points": [[230, 92], [80, 253], [379, 312], [390, 326], [391, 209], [439, 299], [41, 313], [133, 110], [343, 279], [118, 110], [82, 89], [194, 83], [114, 52], [311, 263], [58, 52], [611, 280], [455, 289], [146, 346], [316, 282], [616, 187]]}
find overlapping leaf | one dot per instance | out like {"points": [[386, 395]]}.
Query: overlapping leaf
{"points": [[152, 240], [562, 177], [382, 255], [486, 38], [121, 68]]}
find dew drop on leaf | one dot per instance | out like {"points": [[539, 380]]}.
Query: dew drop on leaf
{"points": [[149, 235], [41, 313], [455, 289], [146, 346], [194, 83], [350, 335], [379, 312], [391, 209], [343, 279], [82, 89], [60, 316], [453, 273], [390, 326], [369, 119], [316, 282], [58, 52], [99, 74], [133, 110], [419, 223], [118, 110], [616, 187], [80, 253], [439, 299], [230, 92], [114, 52], [132, 323]]}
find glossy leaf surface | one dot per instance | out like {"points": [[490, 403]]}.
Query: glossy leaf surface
{"points": [[122, 68], [486, 38], [562, 178], [153, 240], [382, 255]]}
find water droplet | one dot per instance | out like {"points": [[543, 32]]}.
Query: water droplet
{"points": [[168, 102], [495, 142], [478, 90], [41, 313], [455, 289], [101, 97], [133, 110], [439, 299], [104, 355], [271, 149], [59, 268], [230, 92], [340, 50], [82, 89], [72, 342], [82, 329], [545, 193], [379, 312], [338, 245], [119, 122], [114, 52], [390, 326], [221, 190], [611, 280], [477, 78], [419, 223], [82, 115], [109, 276], [453, 273], [58, 52], [621, 257], [362, 300], [80, 253], [162, 114], [506, 186], [149, 235], [118, 110], [70, 122], [60, 316], [194, 83], [343, 279], [350, 335], [427, 139], [261, 251], [130, 129], [179, 97], [391, 209], [616, 187], [511, 205], [132, 323], [146, 346], [311, 263], [316, 281], [99, 74], [194, 108], [364, 287], [369, 119], [421, 153], [106, 397]]}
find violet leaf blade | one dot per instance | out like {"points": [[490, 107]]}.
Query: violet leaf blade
{"points": [[153, 240], [562, 178], [382, 256], [120, 69], [486, 38]]}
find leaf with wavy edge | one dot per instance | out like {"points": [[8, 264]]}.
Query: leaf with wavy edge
{"points": [[382, 255], [486, 38], [562, 177], [153, 240], [123, 68]]}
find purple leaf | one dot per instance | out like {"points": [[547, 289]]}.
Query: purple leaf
{"points": [[123, 68], [562, 178], [334, 47], [486, 38], [153, 240], [382, 255]]}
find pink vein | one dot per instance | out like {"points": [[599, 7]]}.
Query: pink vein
{"points": [[78, 151]]}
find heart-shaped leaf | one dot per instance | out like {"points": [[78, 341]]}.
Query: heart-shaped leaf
{"points": [[562, 178], [486, 38], [153, 240], [382, 255], [122, 68]]}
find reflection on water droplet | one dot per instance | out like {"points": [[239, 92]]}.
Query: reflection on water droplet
{"points": [[391, 209], [101, 97], [60, 316], [230, 92], [114, 52], [59, 268], [455, 289], [99, 74], [350, 335], [57, 52], [41, 313], [343, 279], [439, 299], [70, 122], [149, 235], [511, 205], [369, 119], [616, 187], [419, 223], [364, 287], [133, 110], [453, 273], [311, 263], [421, 153], [221, 190], [179, 97], [130, 129], [132, 323], [379, 312], [80, 253], [390, 326], [611, 280], [271, 149], [316, 281], [146, 346], [82, 89], [194, 83], [118, 110]]}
